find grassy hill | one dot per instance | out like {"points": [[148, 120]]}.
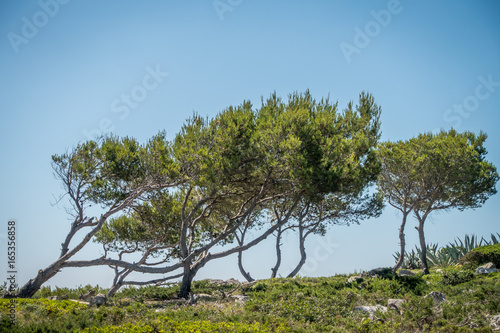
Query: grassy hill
{"points": [[326, 304]]}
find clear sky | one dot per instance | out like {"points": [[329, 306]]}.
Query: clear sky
{"points": [[72, 69]]}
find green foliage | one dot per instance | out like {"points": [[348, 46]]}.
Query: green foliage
{"points": [[454, 277], [447, 256], [47, 291], [482, 255], [324, 304]]}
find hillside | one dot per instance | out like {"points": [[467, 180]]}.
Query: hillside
{"points": [[326, 304]]}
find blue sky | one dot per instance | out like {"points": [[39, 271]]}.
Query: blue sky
{"points": [[70, 68]]}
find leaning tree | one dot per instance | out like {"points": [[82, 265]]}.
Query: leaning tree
{"points": [[112, 174], [241, 162], [176, 201]]}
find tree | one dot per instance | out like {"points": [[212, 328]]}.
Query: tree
{"points": [[311, 217], [176, 201], [446, 170], [112, 173], [396, 183], [240, 163]]}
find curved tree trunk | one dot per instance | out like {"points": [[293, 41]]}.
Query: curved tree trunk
{"points": [[401, 243], [274, 270], [33, 285], [245, 274], [303, 255], [423, 246]]}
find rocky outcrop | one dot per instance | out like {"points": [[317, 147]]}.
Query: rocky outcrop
{"points": [[437, 296], [240, 298], [495, 322], [97, 300], [87, 295], [395, 304], [486, 269], [355, 278], [405, 272], [371, 309]]}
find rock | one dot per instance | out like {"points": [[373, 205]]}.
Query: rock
{"points": [[231, 281], [495, 322], [486, 269], [53, 298], [439, 270], [395, 304], [97, 300], [64, 297], [203, 297], [356, 278], [370, 310], [437, 296], [216, 281], [240, 298], [405, 272], [87, 295], [381, 272]]}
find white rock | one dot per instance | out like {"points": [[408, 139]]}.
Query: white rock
{"points": [[240, 298], [357, 278], [405, 272], [486, 269], [371, 309], [395, 304], [437, 296]]}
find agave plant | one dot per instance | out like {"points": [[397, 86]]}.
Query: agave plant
{"points": [[411, 260], [440, 257], [445, 256]]}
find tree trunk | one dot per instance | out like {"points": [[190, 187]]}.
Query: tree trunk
{"points": [[274, 270], [401, 243], [245, 274], [187, 279], [303, 255], [33, 285], [423, 246]]}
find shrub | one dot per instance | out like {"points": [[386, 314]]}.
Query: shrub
{"points": [[482, 255], [455, 277]]}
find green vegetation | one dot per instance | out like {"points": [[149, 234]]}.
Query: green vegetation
{"points": [[434, 172], [326, 304], [482, 255], [452, 254]]}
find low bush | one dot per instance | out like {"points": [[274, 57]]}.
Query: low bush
{"points": [[482, 255], [455, 277]]}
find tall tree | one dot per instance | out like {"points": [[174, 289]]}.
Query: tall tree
{"points": [[396, 183], [453, 173], [435, 172]]}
